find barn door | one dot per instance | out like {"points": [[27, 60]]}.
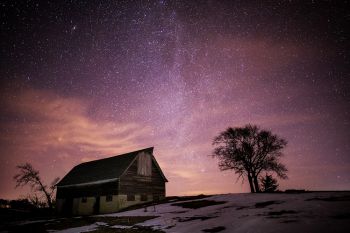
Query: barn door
{"points": [[97, 205], [68, 206]]}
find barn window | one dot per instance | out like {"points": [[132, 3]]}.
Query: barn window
{"points": [[130, 197], [83, 199], [144, 164], [109, 198], [143, 197]]}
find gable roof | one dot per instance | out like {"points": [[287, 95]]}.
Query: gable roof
{"points": [[104, 170]]}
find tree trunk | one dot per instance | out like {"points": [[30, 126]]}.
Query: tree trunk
{"points": [[49, 201], [47, 195], [251, 183], [256, 184]]}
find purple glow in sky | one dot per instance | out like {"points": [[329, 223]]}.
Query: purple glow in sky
{"points": [[85, 80]]}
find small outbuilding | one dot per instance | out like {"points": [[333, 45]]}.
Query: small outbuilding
{"points": [[110, 184]]}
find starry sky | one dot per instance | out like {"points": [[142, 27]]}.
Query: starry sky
{"points": [[84, 80]]}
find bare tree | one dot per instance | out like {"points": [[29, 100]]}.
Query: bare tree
{"points": [[248, 151], [29, 176], [36, 200]]}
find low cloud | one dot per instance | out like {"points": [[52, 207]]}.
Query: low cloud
{"points": [[54, 122]]}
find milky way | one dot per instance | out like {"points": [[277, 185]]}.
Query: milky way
{"points": [[84, 80]]}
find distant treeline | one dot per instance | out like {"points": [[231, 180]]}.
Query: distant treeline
{"points": [[20, 204]]}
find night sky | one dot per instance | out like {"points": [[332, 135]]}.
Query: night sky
{"points": [[84, 80]]}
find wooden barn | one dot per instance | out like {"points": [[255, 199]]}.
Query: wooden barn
{"points": [[110, 184]]}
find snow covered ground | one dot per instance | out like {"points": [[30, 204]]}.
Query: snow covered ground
{"points": [[280, 212], [314, 212]]}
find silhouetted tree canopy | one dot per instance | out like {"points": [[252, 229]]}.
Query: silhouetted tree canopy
{"points": [[29, 176], [268, 184], [248, 151]]}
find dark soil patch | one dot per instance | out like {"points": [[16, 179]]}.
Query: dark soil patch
{"points": [[234, 206], [242, 207], [295, 191], [228, 207], [66, 223], [341, 216], [266, 203], [282, 212], [33, 227], [137, 229], [214, 229], [188, 219], [69, 223], [331, 199], [12, 215], [78, 222], [198, 204], [289, 221], [178, 212], [185, 198]]}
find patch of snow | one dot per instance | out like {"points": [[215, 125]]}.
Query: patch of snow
{"points": [[121, 227], [101, 224]]}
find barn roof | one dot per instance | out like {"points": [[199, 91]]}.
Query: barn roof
{"points": [[103, 170]]}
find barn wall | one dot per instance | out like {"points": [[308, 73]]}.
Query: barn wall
{"points": [[118, 202], [123, 202], [80, 208], [134, 184], [109, 206]]}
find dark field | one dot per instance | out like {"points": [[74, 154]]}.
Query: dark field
{"points": [[65, 223]]}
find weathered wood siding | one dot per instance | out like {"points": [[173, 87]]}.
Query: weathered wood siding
{"points": [[132, 183], [110, 188], [144, 164]]}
